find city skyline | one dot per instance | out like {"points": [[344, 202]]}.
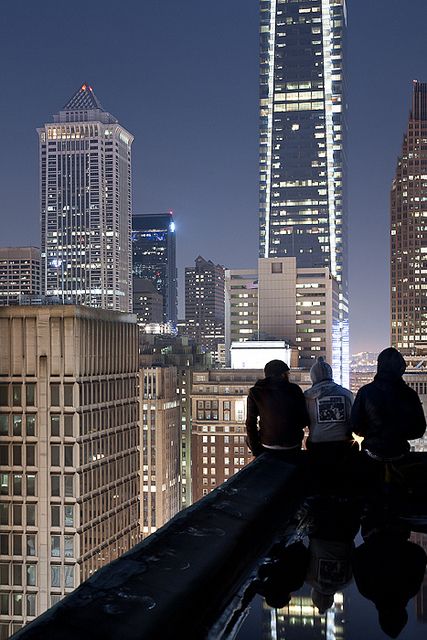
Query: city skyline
{"points": [[224, 186]]}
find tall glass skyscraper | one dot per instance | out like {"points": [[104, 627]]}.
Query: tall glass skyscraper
{"points": [[85, 200], [154, 257], [302, 134]]}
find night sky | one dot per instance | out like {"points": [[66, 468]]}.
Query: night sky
{"points": [[182, 76]]}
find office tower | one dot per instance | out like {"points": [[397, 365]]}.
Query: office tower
{"points": [[69, 456], [85, 199], [205, 304], [298, 305], [154, 257], [409, 235], [19, 273], [302, 134], [147, 302], [218, 442], [160, 437]]}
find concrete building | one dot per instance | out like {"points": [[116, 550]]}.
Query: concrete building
{"points": [[298, 305], [147, 302], [19, 273], [205, 305], [409, 234], [160, 447], [302, 203], [69, 458], [186, 357], [218, 443], [85, 204], [154, 257], [241, 306]]}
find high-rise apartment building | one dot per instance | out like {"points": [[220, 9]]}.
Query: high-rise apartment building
{"points": [[302, 134], [205, 304], [19, 273], [85, 200], [282, 301], [69, 461], [154, 257], [409, 234], [160, 423]]}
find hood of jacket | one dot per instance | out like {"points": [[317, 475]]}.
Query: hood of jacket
{"points": [[321, 371], [321, 388], [391, 363]]}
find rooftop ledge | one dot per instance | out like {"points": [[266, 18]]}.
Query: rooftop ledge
{"points": [[188, 575], [195, 574]]}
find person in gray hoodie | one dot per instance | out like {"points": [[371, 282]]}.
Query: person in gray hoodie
{"points": [[329, 408]]}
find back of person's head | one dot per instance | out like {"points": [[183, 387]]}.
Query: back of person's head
{"points": [[320, 371], [275, 369], [393, 620], [391, 362]]}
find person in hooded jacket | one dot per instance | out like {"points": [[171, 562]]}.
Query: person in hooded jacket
{"points": [[332, 450], [329, 407], [387, 412], [280, 407]]}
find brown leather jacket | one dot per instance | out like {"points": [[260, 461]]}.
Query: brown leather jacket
{"points": [[281, 407]]}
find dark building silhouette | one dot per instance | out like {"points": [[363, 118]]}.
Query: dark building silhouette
{"points": [[409, 234], [154, 257], [147, 302], [205, 303]]}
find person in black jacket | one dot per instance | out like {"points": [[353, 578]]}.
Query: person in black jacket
{"points": [[387, 412], [280, 407]]}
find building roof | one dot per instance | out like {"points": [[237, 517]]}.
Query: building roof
{"points": [[84, 98]]}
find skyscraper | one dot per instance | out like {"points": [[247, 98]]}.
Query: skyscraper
{"points": [[302, 133], [154, 257], [409, 234], [85, 200], [69, 432], [205, 303]]}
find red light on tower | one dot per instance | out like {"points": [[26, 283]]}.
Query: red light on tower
{"points": [[83, 87]]}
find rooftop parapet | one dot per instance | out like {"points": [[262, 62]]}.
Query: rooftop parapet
{"points": [[184, 576]]}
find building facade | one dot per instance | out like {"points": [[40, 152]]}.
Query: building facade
{"points": [[205, 304], [160, 447], [302, 135], [409, 234], [147, 302], [85, 204], [19, 274], [154, 257], [299, 305], [241, 306], [218, 442], [69, 460], [186, 357]]}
